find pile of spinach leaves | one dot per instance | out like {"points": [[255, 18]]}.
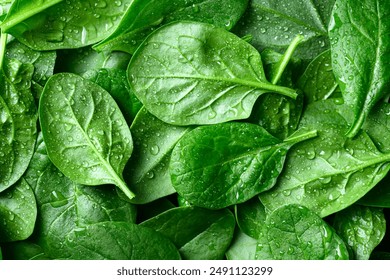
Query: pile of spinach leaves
{"points": [[193, 129]]}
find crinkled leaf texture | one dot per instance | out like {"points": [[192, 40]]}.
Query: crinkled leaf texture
{"points": [[86, 135], [229, 163], [199, 234], [360, 43], [362, 228], [195, 73], [294, 232], [330, 172]]}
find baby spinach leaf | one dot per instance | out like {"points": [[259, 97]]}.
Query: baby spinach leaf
{"points": [[18, 212], [199, 234], [362, 228], [57, 24], [194, 73], [251, 216], [143, 16], [379, 196], [23, 250], [229, 163], [18, 122], [85, 133], [293, 232], [115, 82], [147, 171], [318, 81], [274, 23], [330, 172], [243, 247], [360, 36], [122, 241], [5, 5], [65, 206]]}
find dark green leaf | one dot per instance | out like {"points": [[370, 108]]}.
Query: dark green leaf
{"points": [[143, 16], [251, 217], [293, 232], [58, 24], [195, 73], [243, 247], [360, 35], [229, 163], [330, 172], [85, 133], [18, 122], [147, 171], [23, 250], [273, 24], [379, 196], [18, 212], [362, 228], [199, 234], [318, 81]]}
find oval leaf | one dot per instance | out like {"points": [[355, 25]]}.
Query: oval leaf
{"points": [[229, 163], [86, 135], [195, 73]]}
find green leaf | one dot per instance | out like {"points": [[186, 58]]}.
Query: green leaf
{"points": [[330, 172], [23, 250], [143, 16], [18, 122], [115, 82], [360, 36], [57, 24], [379, 196], [147, 171], [229, 163], [18, 212], [194, 73], [199, 234], [293, 232], [243, 247], [318, 81], [273, 24], [65, 206], [122, 241], [362, 228], [251, 216], [86, 135]]}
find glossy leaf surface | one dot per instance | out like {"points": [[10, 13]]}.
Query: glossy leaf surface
{"points": [[360, 36], [229, 163], [194, 73], [85, 133]]}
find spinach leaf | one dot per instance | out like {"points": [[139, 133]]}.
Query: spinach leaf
{"points": [[85, 133], [57, 24], [243, 247], [330, 172], [18, 122], [23, 250], [121, 241], [379, 196], [293, 232], [251, 216], [359, 32], [362, 228], [318, 81], [147, 171], [229, 163], [5, 5], [18, 212], [65, 206], [194, 73], [115, 82], [194, 230], [143, 16], [273, 24], [153, 208]]}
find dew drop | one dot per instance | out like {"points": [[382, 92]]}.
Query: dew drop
{"points": [[150, 174], [154, 150]]}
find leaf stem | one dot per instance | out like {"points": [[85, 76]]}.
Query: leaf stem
{"points": [[298, 136], [124, 188], [282, 64], [3, 44], [355, 127]]}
